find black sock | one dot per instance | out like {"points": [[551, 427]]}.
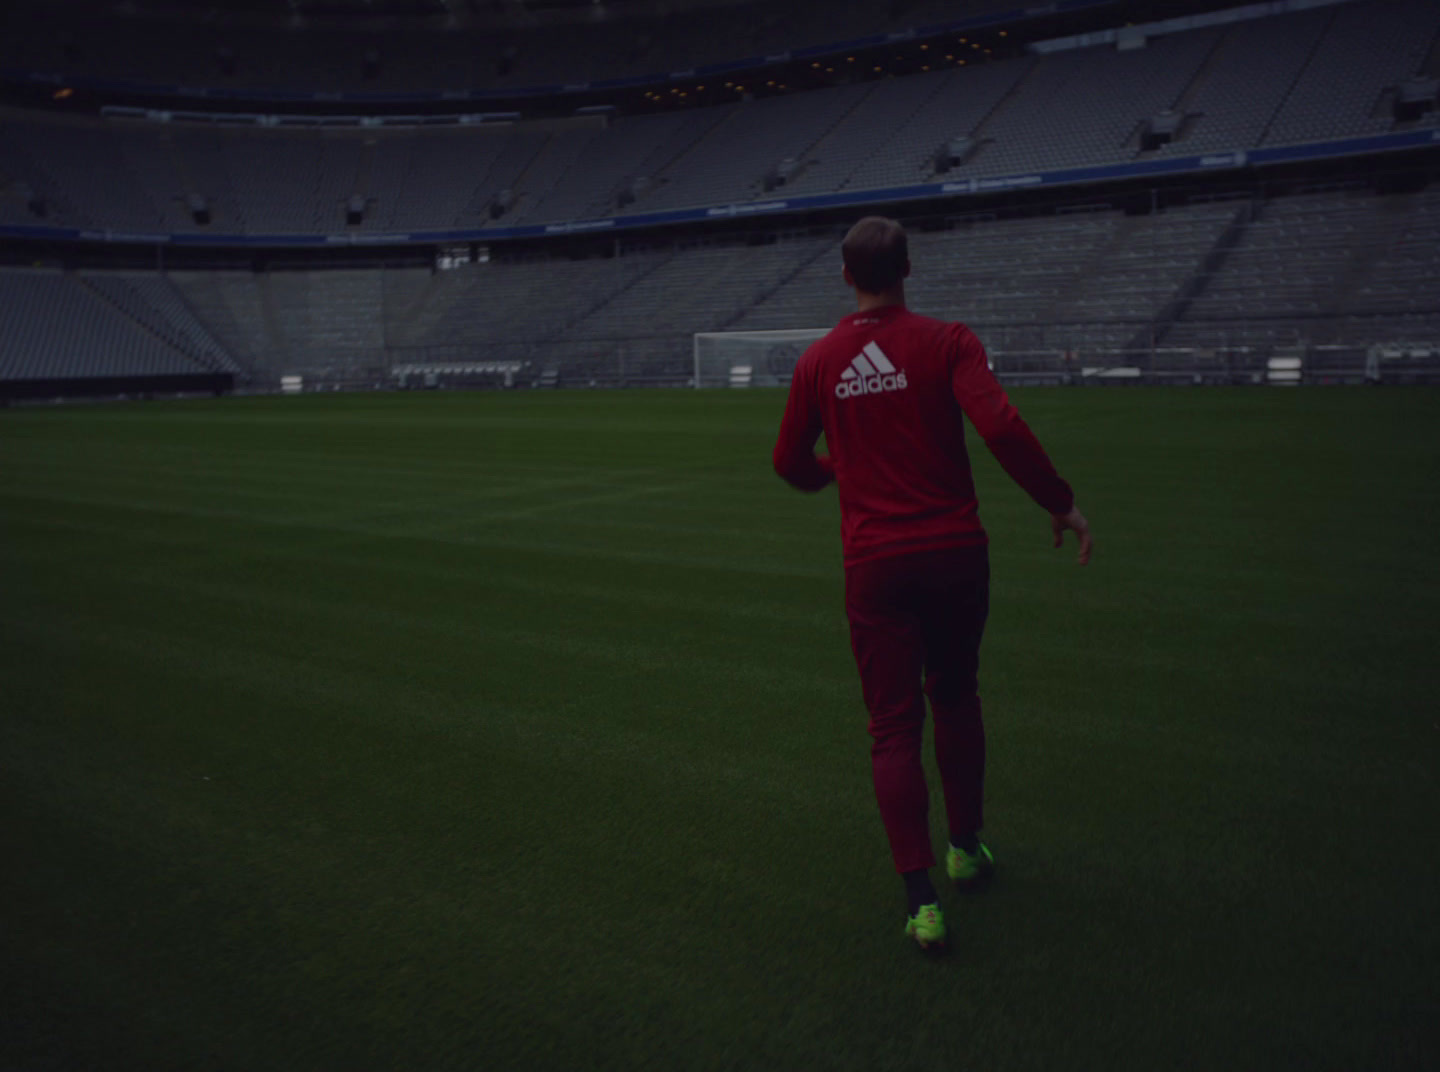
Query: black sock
{"points": [[969, 843], [919, 890]]}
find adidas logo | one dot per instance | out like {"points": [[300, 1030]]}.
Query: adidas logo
{"points": [[870, 373]]}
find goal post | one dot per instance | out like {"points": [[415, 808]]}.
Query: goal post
{"points": [[750, 358]]}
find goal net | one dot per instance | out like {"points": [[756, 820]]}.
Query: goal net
{"points": [[750, 358]]}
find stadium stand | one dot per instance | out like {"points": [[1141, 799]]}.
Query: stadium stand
{"points": [[32, 193], [200, 166], [1123, 296], [1404, 277], [862, 134], [1243, 82], [613, 171], [494, 305], [1302, 76], [1086, 106], [1341, 91], [1329, 274], [229, 304], [1112, 280], [748, 142], [1341, 269], [1295, 77], [707, 288], [1289, 273], [327, 325], [54, 326], [905, 149], [151, 300]]}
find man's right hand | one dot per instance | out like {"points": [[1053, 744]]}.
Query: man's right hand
{"points": [[1075, 521]]}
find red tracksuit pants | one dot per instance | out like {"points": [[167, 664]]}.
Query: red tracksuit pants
{"points": [[913, 615]]}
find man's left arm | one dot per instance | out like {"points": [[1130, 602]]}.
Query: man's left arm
{"points": [[795, 459]]}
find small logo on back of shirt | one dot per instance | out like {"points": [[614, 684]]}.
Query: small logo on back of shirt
{"points": [[870, 373]]}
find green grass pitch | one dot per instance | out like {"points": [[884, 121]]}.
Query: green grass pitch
{"points": [[520, 731]]}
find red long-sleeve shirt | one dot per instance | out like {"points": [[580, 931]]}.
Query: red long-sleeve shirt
{"points": [[887, 387]]}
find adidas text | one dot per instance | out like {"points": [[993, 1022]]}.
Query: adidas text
{"points": [[870, 385]]}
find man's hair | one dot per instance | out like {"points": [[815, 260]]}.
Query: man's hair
{"points": [[877, 253]]}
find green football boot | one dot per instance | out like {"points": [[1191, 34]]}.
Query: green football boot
{"points": [[967, 868], [927, 927]]}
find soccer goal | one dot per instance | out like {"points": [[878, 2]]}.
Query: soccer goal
{"points": [[750, 358]]}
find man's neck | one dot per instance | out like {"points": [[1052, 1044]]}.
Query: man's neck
{"points": [[867, 302]]}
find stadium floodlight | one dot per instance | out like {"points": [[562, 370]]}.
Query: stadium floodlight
{"points": [[750, 358]]}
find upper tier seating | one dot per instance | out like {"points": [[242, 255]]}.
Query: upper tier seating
{"points": [[1303, 76]]}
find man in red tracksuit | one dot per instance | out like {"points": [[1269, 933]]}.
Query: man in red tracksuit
{"points": [[888, 387]]}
